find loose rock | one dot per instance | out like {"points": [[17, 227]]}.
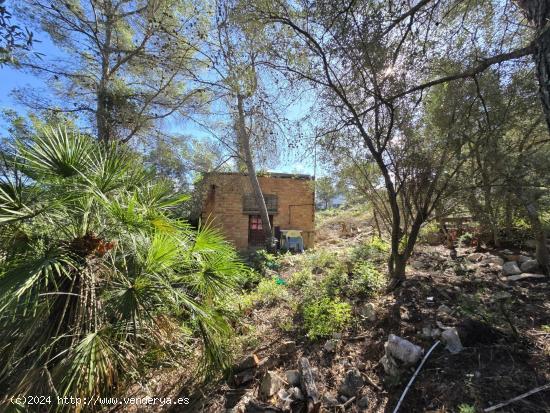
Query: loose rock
{"points": [[524, 276], [363, 402], [293, 377], [271, 384], [330, 399], [248, 362], [529, 266], [390, 366], [523, 258], [352, 383], [403, 350], [444, 309], [283, 395], [287, 347], [295, 393], [493, 259], [452, 340], [510, 268], [369, 312], [475, 257], [330, 345], [244, 377]]}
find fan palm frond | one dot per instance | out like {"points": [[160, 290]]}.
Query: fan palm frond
{"points": [[55, 152]]}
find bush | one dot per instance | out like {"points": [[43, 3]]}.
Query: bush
{"points": [[98, 225], [249, 278], [336, 281], [367, 280], [261, 260], [268, 292], [300, 278], [466, 408], [321, 260], [324, 317], [465, 239], [430, 234], [375, 249]]}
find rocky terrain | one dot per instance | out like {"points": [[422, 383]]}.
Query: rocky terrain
{"points": [[488, 309]]}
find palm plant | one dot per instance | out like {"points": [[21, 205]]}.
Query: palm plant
{"points": [[95, 270]]}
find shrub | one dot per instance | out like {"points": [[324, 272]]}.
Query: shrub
{"points": [[261, 260], [366, 279], [466, 408], [465, 239], [107, 273], [268, 292], [336, 281], [375, 249], [321, 260], [249, 278], [300, 278], [429, 233], [326, 316]]}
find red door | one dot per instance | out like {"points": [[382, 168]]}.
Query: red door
{"points": [[256, 236]]}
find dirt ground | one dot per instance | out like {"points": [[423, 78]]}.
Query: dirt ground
{"points": [[504, 327]]}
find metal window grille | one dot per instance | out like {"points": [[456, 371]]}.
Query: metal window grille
{"points": [[250, 206]]}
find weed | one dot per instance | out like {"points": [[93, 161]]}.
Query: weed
{"points": [[367, 280], [268, 292], [472, 306], [300, 278], [375, 249], [261, 260], [336, 281], [430, 233], [466, 408], [249, 278], [286, 325], [465, 239], [321, 260], [326, 316]]}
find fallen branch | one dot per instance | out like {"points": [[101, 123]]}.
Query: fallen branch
{"points": [[308, 385], [346, 404], [414, 376], [515, 399], [372, 383], [360, 337]]}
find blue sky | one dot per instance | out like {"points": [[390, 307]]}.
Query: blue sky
{"points": [[11, 78]]}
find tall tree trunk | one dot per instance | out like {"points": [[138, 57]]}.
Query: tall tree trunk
{"points": [[103, 123], [538, 14], [244, 143]]}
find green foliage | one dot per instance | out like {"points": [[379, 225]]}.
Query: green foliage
{"points": [[429, 233], [300, 278], [262, 260], [375, 249], [466, 408], [465, 239], [320, 260], [367, 280], [324, 317], [335, 281], [325, 190], [268, 292], [100, 273]]}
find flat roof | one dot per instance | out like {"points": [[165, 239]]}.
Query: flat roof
{"points": [[267, 174]]}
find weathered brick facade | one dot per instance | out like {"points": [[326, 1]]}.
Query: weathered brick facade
{"points": [[225, 193]]}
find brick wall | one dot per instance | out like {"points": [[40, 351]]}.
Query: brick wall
{"points": [[223, 205]]}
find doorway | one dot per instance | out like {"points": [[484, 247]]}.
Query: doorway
{"points": [[256, 237]]}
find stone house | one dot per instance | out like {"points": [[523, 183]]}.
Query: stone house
{"points": [[229, 204]]}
